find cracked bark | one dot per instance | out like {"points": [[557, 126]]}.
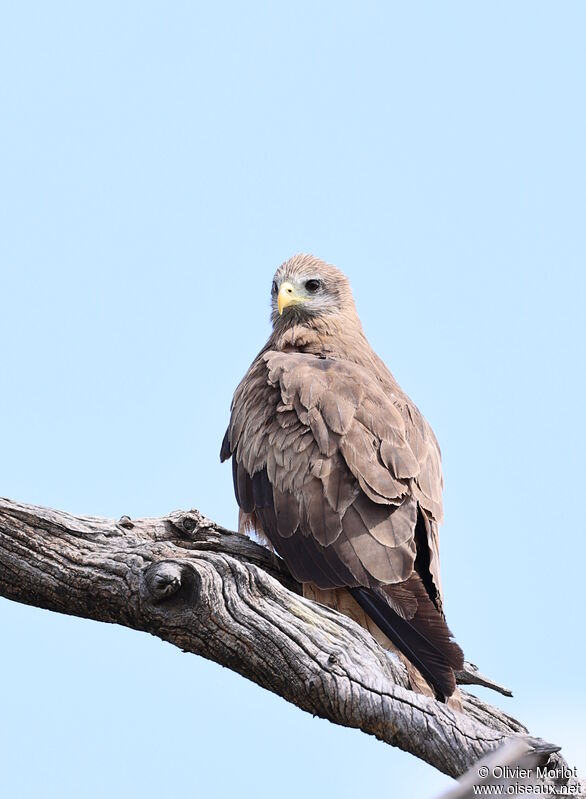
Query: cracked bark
{"points": [[222, 596]]}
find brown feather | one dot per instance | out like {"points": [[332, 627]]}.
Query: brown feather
{"points": [[391, 526], [318, 518], [383, 564]]}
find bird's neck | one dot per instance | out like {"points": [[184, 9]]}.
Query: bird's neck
{"points": [[335, 336]]}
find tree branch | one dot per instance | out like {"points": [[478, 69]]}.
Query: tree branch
{"points": [[224, 597]]}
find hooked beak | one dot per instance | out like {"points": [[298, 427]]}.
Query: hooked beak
{"points": [[287, 296]]}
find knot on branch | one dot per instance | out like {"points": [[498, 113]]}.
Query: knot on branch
{"points": [[188, 523], [165, 579]]}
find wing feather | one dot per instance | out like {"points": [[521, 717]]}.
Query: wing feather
{"points": [[389, 525]]}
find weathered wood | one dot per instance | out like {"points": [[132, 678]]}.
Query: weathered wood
{"points": [[224, 597]]}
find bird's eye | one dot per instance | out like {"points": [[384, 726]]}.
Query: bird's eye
{"points": [[312, 285], [274, 287]]}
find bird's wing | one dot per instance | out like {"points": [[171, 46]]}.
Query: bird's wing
{"points": [[319, 441], [322, 456]]}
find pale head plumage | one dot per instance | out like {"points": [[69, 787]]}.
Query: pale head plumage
{"points": [[321, 290]]}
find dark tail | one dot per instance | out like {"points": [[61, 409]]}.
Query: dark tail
{"points": [[425, 639]]}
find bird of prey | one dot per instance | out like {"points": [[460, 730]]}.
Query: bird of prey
{"points": [[336, 468]]}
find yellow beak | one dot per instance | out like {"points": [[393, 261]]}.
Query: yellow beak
{"points": [[287, 297]]}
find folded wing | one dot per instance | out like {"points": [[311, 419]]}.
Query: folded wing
{"points": [[343, 475]]}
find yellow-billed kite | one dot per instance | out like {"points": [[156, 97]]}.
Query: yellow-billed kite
{"points": [[337, 469]]}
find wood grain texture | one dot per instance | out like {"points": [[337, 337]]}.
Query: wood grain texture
{"points": [[222, 596]]}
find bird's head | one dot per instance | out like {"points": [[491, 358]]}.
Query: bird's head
{"points": [[305, 289]]}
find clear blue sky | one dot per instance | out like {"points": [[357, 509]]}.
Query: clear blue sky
{"points": [[158, 162]]}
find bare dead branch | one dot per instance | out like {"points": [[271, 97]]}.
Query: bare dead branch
{"points": [[224, 597]]}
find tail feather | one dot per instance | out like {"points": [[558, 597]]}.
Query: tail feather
{"points": [[424, 639]]}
